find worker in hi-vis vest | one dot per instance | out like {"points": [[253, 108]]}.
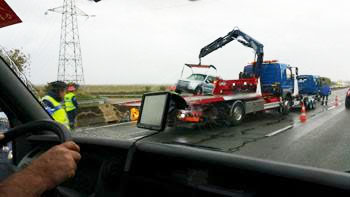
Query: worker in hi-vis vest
{"points": [[71, 104], [53, 102]]}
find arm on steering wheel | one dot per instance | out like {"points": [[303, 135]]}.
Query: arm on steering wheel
{"points": [[49, 170]]}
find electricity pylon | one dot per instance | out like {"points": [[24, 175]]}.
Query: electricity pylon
{"points": [[70, 65]]}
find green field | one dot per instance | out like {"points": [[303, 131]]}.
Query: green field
{"points": [[93, 91], [122, 89]]}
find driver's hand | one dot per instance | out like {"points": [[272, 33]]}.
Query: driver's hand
{"points": [[1, 136], [57, 164]]}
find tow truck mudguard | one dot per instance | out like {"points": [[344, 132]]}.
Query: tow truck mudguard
{"points": [[178, 101]]}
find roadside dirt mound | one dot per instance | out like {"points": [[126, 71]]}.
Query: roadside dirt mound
{"points": [[102, 114]]}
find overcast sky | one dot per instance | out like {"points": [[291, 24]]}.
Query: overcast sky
{"points": [[148, 41]]}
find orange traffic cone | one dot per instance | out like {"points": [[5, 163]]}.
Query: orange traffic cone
{"points": [[302, 116], [336, 101]]}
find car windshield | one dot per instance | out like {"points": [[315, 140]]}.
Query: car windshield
{"points": [[197, 77], [90, 62]]}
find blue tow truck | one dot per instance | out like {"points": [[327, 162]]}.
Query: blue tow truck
{"points": [[309, 89]]}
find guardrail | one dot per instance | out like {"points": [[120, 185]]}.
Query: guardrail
{"points": [[97, 101], [121, 95], [339, 88]]}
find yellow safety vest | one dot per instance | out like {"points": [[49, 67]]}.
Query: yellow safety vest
{"points": [[68, 101], [58, 113]]}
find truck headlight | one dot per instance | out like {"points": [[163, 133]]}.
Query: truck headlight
{"points": [[181, 115]]}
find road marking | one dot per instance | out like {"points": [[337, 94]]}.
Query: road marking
{"points": [[279, 131], [330, 108]]}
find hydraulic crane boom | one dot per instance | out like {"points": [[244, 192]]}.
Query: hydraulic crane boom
{"points": [[236, 34]]}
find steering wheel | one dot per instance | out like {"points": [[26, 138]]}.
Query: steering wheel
{"points": [[38, 127]]}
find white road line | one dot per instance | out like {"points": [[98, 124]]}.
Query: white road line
{"points": [[330, 108], [279, 131]]}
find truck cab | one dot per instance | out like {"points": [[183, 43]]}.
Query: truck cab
{"points": [[309, 84], [276, 78]]}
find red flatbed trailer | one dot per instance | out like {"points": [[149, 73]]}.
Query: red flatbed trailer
{"points": [[230, 102]]}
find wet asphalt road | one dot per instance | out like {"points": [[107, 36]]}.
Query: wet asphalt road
{"points": [[323, 141]]}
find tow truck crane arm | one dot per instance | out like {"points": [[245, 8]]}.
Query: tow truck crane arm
{"points": [[235, 34]]}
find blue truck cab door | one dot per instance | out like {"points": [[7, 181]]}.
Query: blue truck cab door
{"points": [[287, 79]]}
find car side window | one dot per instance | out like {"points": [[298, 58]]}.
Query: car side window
{"points": [[199, 77], [210, 79], [5, 151], [4, 123]]}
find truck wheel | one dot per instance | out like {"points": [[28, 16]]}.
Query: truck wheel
{"points": [[198, 91], [309, 105], [236, 114], [314, 104], [285, 107]]}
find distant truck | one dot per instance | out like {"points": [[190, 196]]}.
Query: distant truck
{"points": [[309, 84], [309, 90], [197, 83]]}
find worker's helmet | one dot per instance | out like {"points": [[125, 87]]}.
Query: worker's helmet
{"points": [[57, 86], [71, 88]]}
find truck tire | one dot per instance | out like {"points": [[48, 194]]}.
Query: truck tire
{"points": [[236, 114], [313, 104], [309, 105], [285, 107], [198, 90]]}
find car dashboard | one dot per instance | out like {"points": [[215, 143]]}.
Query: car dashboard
{"points": [[146, 168]]}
